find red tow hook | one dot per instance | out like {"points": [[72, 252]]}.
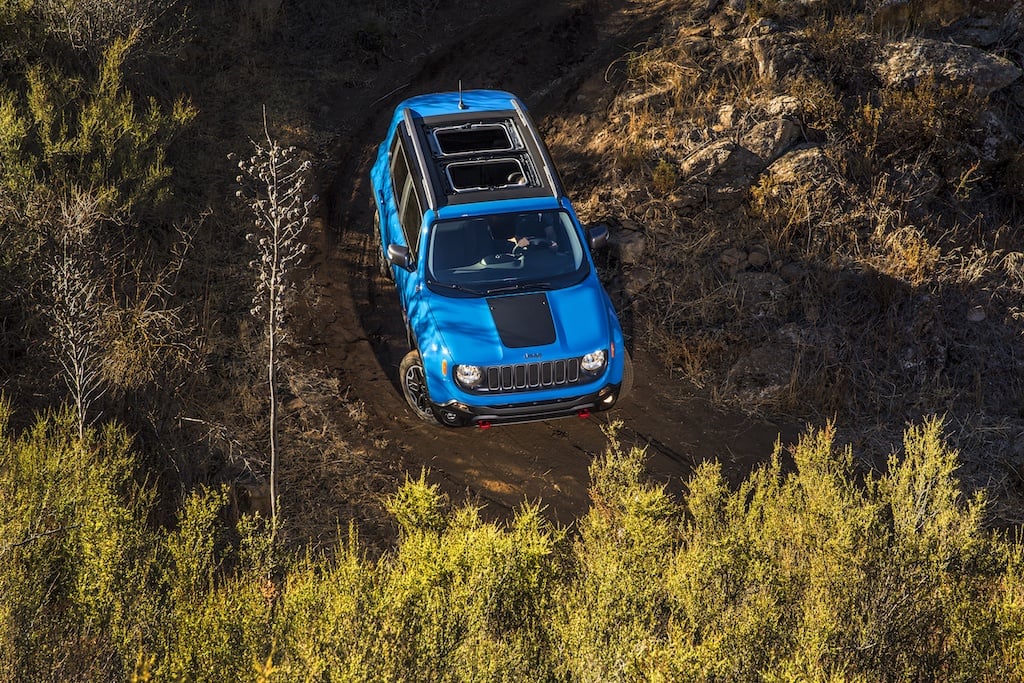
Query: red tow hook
{"points": [[483, 424], [584, 414]]}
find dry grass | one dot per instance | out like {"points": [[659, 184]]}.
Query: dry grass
{"points": [[891, 280]]}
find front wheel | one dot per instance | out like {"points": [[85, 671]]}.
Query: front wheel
{"points": [[414, 386], [627, 376]]}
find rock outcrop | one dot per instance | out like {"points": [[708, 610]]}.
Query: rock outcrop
{"points": [[908, 62], [718, 174]]}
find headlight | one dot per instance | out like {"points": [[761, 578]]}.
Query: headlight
{"points": [[594, 362], [468, 376]]}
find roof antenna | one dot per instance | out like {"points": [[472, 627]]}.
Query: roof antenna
{"points": [[462, 105]]}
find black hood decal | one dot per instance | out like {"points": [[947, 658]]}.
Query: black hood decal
{"points": [[523, 320]]}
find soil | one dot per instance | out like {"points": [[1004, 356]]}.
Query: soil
{"points": [[560, 59]]}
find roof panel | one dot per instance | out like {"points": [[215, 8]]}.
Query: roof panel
{"points": [[487, 151]]}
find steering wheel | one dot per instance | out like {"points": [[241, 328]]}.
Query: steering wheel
{"points": [[536, 243]]}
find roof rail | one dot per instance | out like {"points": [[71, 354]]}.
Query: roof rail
{"points": [[421, 161], [556, 188]]}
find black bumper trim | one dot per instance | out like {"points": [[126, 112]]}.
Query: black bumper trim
{"points": [[534, 412]]}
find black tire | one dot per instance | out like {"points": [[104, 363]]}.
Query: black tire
{"points": [[413, 378], [383, 265], [627, 376]]}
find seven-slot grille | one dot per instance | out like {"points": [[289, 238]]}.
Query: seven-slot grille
{"points": [[529, 376]]}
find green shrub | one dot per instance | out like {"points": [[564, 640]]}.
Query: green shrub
{"points": [[64, 130], [75, 551], [614, 609], [803, 574], [665, 176], [806, 571]]}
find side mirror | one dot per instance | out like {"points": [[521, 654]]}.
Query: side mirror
{"points": [[400, 256], [598, 235]]}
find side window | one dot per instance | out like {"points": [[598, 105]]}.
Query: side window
{"points": [[399, 166], [410, 214]]}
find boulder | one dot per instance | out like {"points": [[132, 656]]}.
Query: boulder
{"points": [[727, 116], [792, 273], [761, 375], [784, 106], [759, 256], [801, 165], [979, 32], [636, 280], [628, 242], [733, 262], [771, 139], [908, 62], [778, 55], [757, 291], [1000, 141], [733, 258], [718, 174]]}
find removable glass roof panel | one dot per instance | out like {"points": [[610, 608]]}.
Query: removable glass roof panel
{"points": [[485, 174], [480, 156], [477, 137]]}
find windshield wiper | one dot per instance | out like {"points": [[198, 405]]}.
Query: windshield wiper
{"points": [[519, 286], [454, 286]]}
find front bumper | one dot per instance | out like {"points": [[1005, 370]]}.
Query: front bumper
{"points": [[457, 414]]}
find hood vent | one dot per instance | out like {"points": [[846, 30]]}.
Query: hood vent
{"points": [[523, 320]]}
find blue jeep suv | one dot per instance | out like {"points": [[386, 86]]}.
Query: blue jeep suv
{"points": [[506, 318]]}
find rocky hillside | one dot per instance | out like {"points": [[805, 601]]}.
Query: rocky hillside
{"points": [[817, 213]]}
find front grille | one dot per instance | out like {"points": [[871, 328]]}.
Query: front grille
{"points": [[530, 376]]}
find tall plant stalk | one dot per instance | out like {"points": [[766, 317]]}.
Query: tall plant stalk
{"points": [[273, 180]]}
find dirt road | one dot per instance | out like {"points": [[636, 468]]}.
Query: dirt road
{"points": [[555, 56]]}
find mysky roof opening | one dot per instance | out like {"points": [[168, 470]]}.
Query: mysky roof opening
{"points": [[485, 174], [480, 153], [478, 137]]}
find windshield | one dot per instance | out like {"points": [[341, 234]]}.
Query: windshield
{"points": [[531, 250]]}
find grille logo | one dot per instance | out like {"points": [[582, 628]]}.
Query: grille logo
{"points": [[528, 356]]}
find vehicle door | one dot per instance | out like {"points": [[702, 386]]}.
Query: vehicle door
{"points": [[405, 222]]}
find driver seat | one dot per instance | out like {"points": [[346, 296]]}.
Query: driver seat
{"points": [[501, 231], [535, 226]]}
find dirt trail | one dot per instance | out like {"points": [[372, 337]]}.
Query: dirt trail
{"points": [[552, 55]]}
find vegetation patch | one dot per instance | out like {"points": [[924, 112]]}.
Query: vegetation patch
{"points": [[803, 572]]}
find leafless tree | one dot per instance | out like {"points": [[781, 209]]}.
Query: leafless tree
{"points": [[113, 321], [92, 25], [273, 181], [75, 311]]}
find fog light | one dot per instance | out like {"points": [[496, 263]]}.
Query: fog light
{"points": [[608, 400]]}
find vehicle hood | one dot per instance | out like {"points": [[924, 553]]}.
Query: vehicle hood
{"points": [[511, 328]]}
